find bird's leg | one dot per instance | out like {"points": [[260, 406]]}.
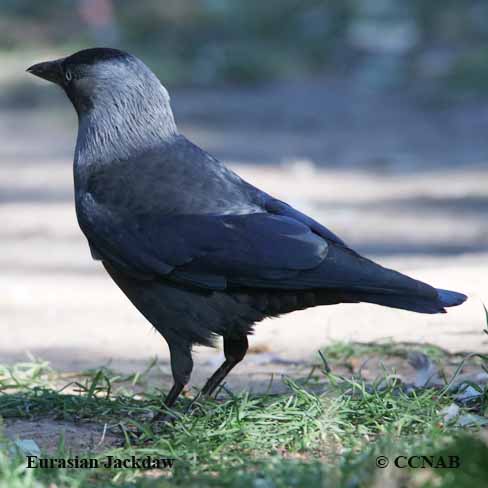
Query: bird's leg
{"points": [[173, 394], [181, 367], [234, 350]]}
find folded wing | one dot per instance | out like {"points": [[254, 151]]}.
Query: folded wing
{"points": [[206, 251], [281, 250]]}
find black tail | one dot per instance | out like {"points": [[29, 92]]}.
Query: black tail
{"points": [[414, 303], [450, 298]]}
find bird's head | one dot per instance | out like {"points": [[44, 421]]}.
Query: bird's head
{"points": [[100, 76], [112, 88]]}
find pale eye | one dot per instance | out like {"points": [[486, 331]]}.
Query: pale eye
{"points": [[68, 76]]}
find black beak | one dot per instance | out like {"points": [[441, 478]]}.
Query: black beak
{"points": [[49, 70]]}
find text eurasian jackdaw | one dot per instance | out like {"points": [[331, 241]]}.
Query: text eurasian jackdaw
{"points": [[199, 251]]}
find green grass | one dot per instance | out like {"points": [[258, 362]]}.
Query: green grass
{"points": [[294, 439]]}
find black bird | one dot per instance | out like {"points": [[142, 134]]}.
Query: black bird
{"points": [[199, 251]]}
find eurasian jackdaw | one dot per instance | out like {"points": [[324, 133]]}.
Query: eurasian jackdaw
{"points": [[199, 251]]}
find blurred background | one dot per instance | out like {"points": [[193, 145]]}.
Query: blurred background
{"points": [[371, 116]]}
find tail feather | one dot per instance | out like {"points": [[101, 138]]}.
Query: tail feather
{"points": [[450, 298], [413, 303], [367, 281], [403, 302]]}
